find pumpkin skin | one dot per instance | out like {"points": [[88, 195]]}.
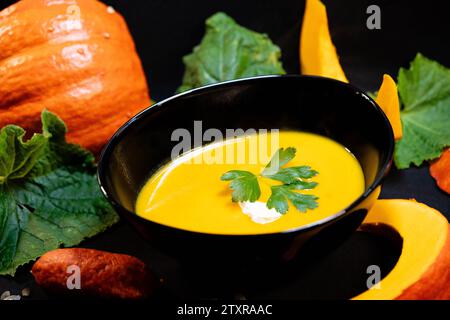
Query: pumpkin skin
{"points": [[75, 58], [423, 269]]}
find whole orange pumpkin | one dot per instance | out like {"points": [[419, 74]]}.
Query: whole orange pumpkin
{"points": [[77, 59]]}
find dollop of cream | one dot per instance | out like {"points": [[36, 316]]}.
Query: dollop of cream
{"points": [[258, 212]]}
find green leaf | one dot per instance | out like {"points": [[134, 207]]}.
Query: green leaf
{"points": [[286, 175], [17, 157], [9, 228], [425, 94], [281, 194], [278, 200], [280, 158], [373, 94], [229, 51], [244, 185], [303, 185], [293, 174], [58, 152], [56, 203]]}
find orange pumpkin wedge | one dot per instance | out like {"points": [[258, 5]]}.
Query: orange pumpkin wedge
{"points": [[387, 99], [440, 171], [75, 58], [423, 269], [317, 53]]}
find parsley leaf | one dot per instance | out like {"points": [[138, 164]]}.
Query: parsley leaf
{"points": [[281, 194], [425, 94], [292, 174], [229, 51], [286, 175], [280, 158], [49, 195], [244, 184]]}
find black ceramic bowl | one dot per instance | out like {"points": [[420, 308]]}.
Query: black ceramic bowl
{"points": [[314, 104]]}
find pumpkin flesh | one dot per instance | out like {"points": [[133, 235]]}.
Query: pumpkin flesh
{"points": [[317, 53], [422, 271], [387, 99]]}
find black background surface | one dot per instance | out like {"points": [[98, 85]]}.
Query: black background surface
{"points": [[165, 30]]}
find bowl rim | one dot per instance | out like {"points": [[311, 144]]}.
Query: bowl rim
{"points": [[116, 137]]}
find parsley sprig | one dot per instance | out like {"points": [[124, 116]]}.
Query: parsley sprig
{"points": [[245, 184]]}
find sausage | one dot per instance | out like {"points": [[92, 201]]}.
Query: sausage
{"points": [[95, 273]]}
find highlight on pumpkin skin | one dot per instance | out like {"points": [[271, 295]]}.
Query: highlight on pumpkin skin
{"points": [[440, 171], [387, 99], [73, 65], [422, 269], [317, 53]]}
